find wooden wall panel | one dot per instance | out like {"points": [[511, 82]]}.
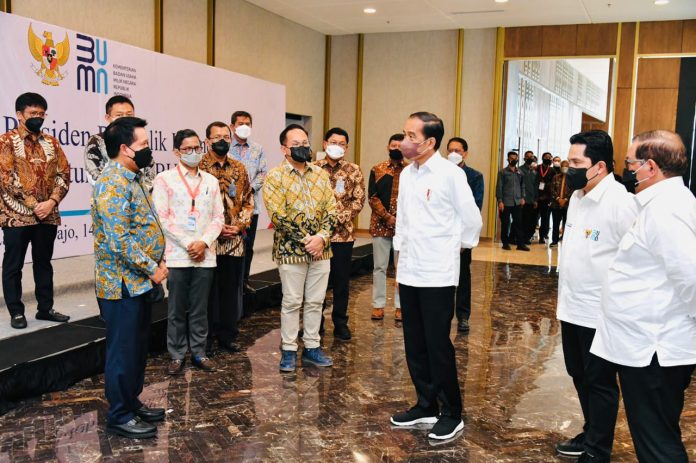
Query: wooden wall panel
{"points": [[628, 39], [523, 41], [689, 36], [621, 124], [656, 108], [559, 40], [596, 39], [660, 37], [658, 72]]}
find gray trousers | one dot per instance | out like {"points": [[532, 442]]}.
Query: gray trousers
{"points": [[380, 255], [189, 288]]}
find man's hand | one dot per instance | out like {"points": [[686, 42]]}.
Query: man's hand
{"points": [[501, 206], [228, 231], [44, 208], [196, 250], [315, 245], [391, 221], [160, 274]]}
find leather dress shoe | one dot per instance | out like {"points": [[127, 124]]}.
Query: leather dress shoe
{"points": [[248, 289], [463, 326], [176, 367], [133, 429], [52, 316], [150, 415], [230, 346], [18, 321], [203, 363]]}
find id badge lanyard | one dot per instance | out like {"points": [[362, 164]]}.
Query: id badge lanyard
{"points": [[193, 194]]}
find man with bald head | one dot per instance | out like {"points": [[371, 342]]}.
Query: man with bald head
{"points": [[647, 322]]}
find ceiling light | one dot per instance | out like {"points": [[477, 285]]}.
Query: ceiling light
{"points": [[501, 1], [661, 2], [369, 11]]}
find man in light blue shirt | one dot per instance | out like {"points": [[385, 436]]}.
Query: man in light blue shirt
{"points": [[252, 156]]}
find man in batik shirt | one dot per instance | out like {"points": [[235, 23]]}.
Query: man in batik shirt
{"points": [[349, 188]]}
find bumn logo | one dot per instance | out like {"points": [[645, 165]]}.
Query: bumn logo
{"points": [[50, 55], [92, 76]]}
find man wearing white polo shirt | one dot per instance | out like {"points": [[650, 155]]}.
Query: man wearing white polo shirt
{"points": [[647, 323], [437, 218], [600, 213]]}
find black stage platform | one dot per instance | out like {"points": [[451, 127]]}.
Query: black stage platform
{"points": [[55, 358]]}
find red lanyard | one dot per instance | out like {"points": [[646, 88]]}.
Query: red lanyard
{"points": [[193, 194], [541, 171]]}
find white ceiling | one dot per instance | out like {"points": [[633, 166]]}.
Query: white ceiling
{"points": [[336, 17]]}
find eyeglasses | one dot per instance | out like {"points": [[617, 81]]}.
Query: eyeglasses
{"points": [[628, 162], [297, 145], [190, 149], [220, 137]]}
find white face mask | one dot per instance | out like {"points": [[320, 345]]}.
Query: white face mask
{"points": [[192, 159], [557, 164], [564, 170], [243, 131], [455, 158], [335, 152]]}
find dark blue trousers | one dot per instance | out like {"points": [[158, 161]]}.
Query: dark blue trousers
{"points": [[127, 331]]}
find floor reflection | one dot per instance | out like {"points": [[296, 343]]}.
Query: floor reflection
{"points": [[518, 399]]}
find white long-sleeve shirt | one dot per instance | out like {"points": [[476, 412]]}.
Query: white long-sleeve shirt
{"points": [[437, 217], [180, 224], [595, 225], [649, 296]]}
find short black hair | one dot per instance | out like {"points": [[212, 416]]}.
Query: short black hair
{"points": [[118, 99], [284, 134], [598, 146], [336, 131], [512, 153], [215, 124], [529, 152], [238, 114], [461, 141], [121, 132], [542, 156], [30, 99], [397, 137], [182, 135], [433, 127]]}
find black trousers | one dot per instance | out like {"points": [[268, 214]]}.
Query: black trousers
{"points": [[225, 302], [559, 216], [654, 398], [529, 220], [544, 218], [511, 232], [595, 382], [339, 279], [463, 301], [427, 318], [249, 239], [127, 331], [17, 239]]}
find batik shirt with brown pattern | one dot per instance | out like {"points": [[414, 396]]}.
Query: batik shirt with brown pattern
{"points": [[348, 186], [237, 199]]}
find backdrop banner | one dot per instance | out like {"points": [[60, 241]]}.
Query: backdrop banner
{"points": [[77, 73]]}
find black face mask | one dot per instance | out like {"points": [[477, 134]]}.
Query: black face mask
{"points": [[34, 124], [529, 161], [396, 155], [629, 177], [512, 162], [576, 178], [221, 147], [143, 157], [547, 162], [301, 153]]}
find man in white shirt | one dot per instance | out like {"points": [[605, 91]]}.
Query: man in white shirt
{"points": [[647, 324], [600, 213], [189, 207], [437, 218]]}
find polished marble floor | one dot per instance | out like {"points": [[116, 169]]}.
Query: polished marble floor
{"points": [[518, 400]]}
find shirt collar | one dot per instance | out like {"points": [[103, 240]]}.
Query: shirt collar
{"points": [[186, 172], [211, 160], [598, 191], [24, 133], [237, 143], [290, 168], [664, 186], [130, 175], [431, 163]]}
